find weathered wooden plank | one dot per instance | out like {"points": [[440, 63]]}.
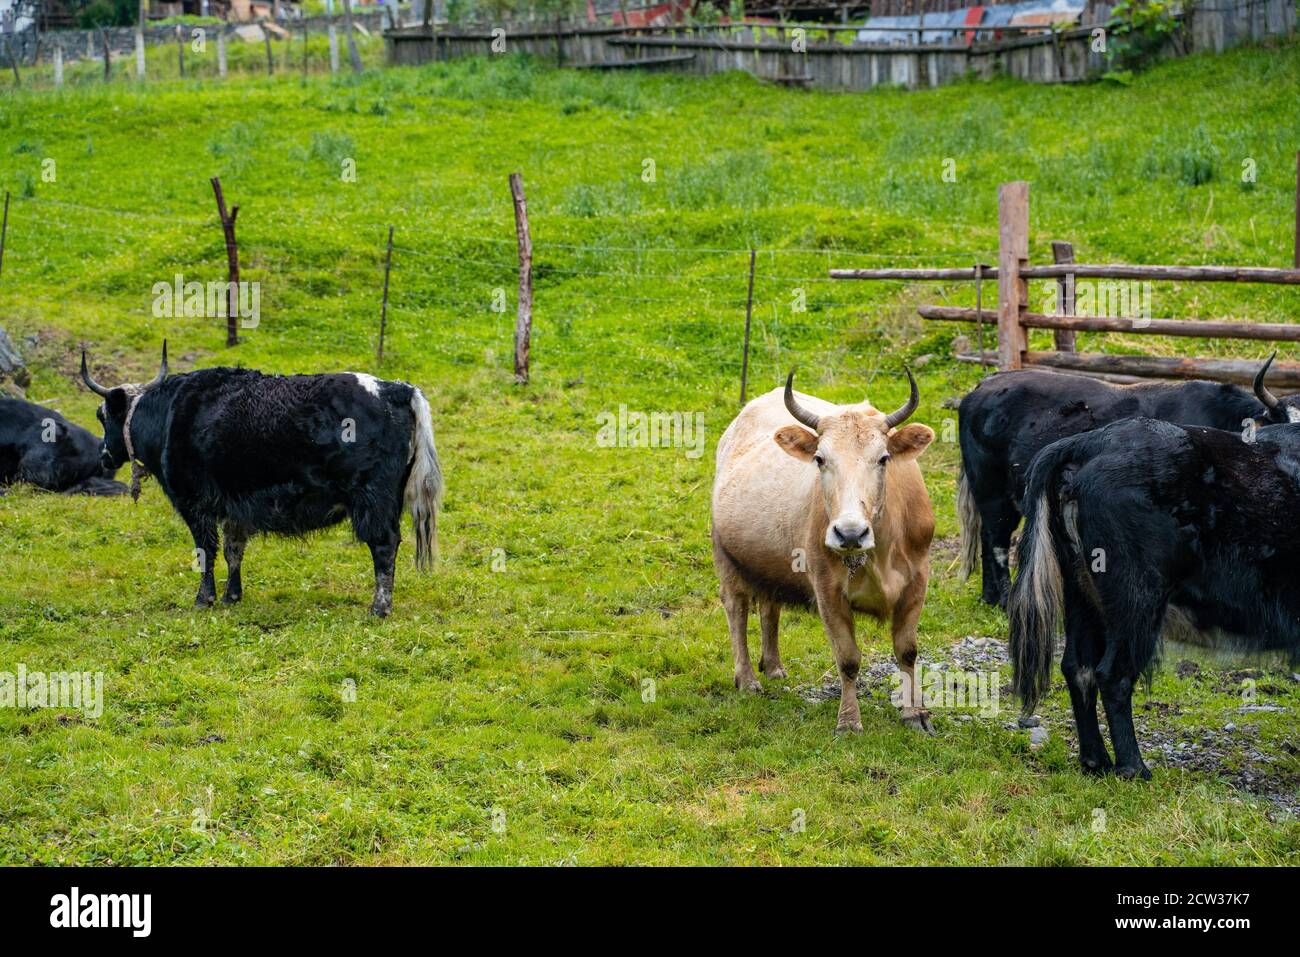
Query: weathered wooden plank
{"points": [[1196, 328], [1013, 253], [1242, 371]]}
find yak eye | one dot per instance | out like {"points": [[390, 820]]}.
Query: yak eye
{"points": [[819, 460], [885, 458]]}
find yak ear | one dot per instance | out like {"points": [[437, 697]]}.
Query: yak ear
{"points": [[910, 441], [797, 441]]}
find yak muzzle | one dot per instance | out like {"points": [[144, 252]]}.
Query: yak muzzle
{"points": [[850, 535]]}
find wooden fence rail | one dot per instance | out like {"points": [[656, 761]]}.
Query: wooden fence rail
{"points": [[1013, 319]]}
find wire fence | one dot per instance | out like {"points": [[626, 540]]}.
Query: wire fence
{"points": [[454, 291]]}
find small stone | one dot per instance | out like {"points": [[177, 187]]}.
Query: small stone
{"points": [[1230, 726], [1028, 721], [1037, 737]]}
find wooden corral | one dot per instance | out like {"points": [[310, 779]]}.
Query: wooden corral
{"points": [[829, 57], [1012, 320]]}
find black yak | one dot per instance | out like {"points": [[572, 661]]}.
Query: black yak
{"points": [[1146, 525], [282, 454]]}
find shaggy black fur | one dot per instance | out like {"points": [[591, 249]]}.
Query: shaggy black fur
{"points": [[68, 463], [1009, 417], [1141, 517]]}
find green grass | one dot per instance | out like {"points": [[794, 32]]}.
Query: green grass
{"points": [[515, 689]]}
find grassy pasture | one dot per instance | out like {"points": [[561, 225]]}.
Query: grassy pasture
{"points": [[500, 713]]}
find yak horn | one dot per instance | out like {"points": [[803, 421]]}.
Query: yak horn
{"points": [[795, 409], [1261, 391], [899, 417], [91, 384], [162, 373]]}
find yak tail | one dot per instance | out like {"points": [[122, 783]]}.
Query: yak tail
{"points": [[969, 518], [1038, 594], [424, 486]]}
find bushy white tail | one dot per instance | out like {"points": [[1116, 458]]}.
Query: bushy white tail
{"points": [[424, 487], [969, 518]]}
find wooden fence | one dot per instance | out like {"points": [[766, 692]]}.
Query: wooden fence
{"points": [[1012, 319], [828, 56]]}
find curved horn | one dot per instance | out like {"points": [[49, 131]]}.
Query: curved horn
{"points": [[795, 409], [91, 384], [162, 372], [1261, 391], [900, 416]]}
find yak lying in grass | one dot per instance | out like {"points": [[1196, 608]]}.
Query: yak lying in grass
{"points": [[1143, 525], [284, 454], [42, 448], [1009, 417]]}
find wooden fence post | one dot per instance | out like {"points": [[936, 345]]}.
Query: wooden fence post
{"points": [[749, 311], [524, 318], [305, 54], [58, 65], [108, 56], [1013, 253], [13, 60], [232, 261], [1297, 209], [383, 312], [4, 230], [1063, 252], [180, 50], [353, 56], [270, 60], [221, 53], [139, 44]]}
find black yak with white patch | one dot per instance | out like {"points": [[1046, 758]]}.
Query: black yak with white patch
{"points": [[42, 448], [1143, 527], [1009, 417], [286, 455]]}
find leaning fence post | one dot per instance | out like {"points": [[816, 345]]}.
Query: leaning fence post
{"points": [[1063, 252], [749, 312], [4, 230], [1013, 253], [232, 261], [1297, 209], [334, 38], [383, 312], [108, 56], [524, 318]]}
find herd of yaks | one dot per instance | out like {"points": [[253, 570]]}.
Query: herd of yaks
{"points": [[1148, 508]]}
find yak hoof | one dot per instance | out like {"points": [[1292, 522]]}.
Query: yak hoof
{"points": [[381, 611], [204, 600], [1097, 767], [749, 685], [848, 727], [919, 720], [777, 671], [1128, 772], [231, 599]]}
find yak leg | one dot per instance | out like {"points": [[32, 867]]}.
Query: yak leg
{"points": [[384, 555], [998, 520], [769, 617], [232, 548], [907, 611], [1084, 642], [736, 604], [1116, 686], [837, 619], [204, 532]]}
